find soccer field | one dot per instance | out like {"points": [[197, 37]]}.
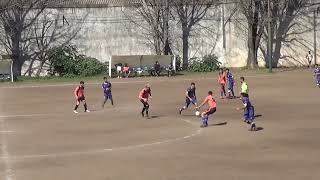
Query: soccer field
{"points": [[42, 139]]}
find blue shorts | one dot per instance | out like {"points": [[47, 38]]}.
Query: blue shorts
{"points": [[107, 96]]}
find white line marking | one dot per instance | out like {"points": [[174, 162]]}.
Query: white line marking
{"points": [[8, 174], [7, 131], [119, 82], [69, 154]]}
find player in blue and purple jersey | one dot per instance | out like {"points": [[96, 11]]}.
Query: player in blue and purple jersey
{"points": [[190, 97], [106, 86], [317, 75], [230, 83], [248, 108]]}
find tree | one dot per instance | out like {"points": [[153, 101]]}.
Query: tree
{"points": [[16, 19], [51, 30], [156, 14], [190, 13], [285, 27], [255, 14]]}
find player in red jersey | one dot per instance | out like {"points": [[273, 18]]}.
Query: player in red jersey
{"points": [[79, 95], [144, 96]]}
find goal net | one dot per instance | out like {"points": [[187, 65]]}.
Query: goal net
{"points": [[6, 73], [142, 63]]}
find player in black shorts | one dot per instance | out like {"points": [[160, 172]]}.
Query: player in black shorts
{"points": [[190, 97]]}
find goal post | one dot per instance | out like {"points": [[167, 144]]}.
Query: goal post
{"points": [[6, 70]]}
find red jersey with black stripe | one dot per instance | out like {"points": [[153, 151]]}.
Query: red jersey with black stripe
{"points": [[79, 91]]}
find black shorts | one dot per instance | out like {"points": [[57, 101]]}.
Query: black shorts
{"points": [[82, 98], [211, 111], [144, 103]]}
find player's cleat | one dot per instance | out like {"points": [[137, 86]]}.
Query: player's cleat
{"points": [[87, 111], [75, 111], [180, 111], [203, 126]]}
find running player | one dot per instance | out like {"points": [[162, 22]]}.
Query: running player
{"points": [[190, 97], [79, 95], [211, 109], [248, 109], [144, 96], [222, 82], [230, 82], [106, 86], [317, 75]]}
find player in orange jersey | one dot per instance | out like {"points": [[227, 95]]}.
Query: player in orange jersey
{"points": [[222, 81], [211, 102]]}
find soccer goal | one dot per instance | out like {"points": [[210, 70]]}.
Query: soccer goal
{"points": [[6, 73], [142, 64]]}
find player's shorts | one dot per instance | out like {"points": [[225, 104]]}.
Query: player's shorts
{"points": [[80, 99], [144, 103], [230, 85], [211, 111], [107, 96], [188, 102]]}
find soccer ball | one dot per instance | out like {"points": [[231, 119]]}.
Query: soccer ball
{"points": [[197, 113]]}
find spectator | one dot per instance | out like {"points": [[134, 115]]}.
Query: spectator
{"points": [[126, 70], [157, 69], [170, 70], [119, 70], [309, 57]]}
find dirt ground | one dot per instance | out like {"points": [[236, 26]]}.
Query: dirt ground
{"points": [[42, 139]]}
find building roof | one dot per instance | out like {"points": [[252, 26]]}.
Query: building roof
{"points": [[91, 3], [78, 3]]}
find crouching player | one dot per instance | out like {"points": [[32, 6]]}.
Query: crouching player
{"points": [[248, 108], [106, 86], [144, 96], [190, 97], [317, 75], [79, 95], [211, 102]]}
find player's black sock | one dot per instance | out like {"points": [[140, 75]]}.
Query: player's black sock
{"points": [[85, 107], [76, 107], [112, 102], [143, 109]]}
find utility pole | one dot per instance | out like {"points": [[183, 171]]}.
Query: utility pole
{"points": [[315, 12], [269, 39]]}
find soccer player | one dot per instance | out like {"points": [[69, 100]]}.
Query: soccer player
{"points": [[244, 86], [309, 57], [317, 74], [211, 109], [79, 95], [144, 96], [248, 108], [190, 97], [230, 82], [222, 82], [106, 86]]}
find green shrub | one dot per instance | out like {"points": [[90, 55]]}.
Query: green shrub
{"points": [[207, 64], [67, 62]]}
